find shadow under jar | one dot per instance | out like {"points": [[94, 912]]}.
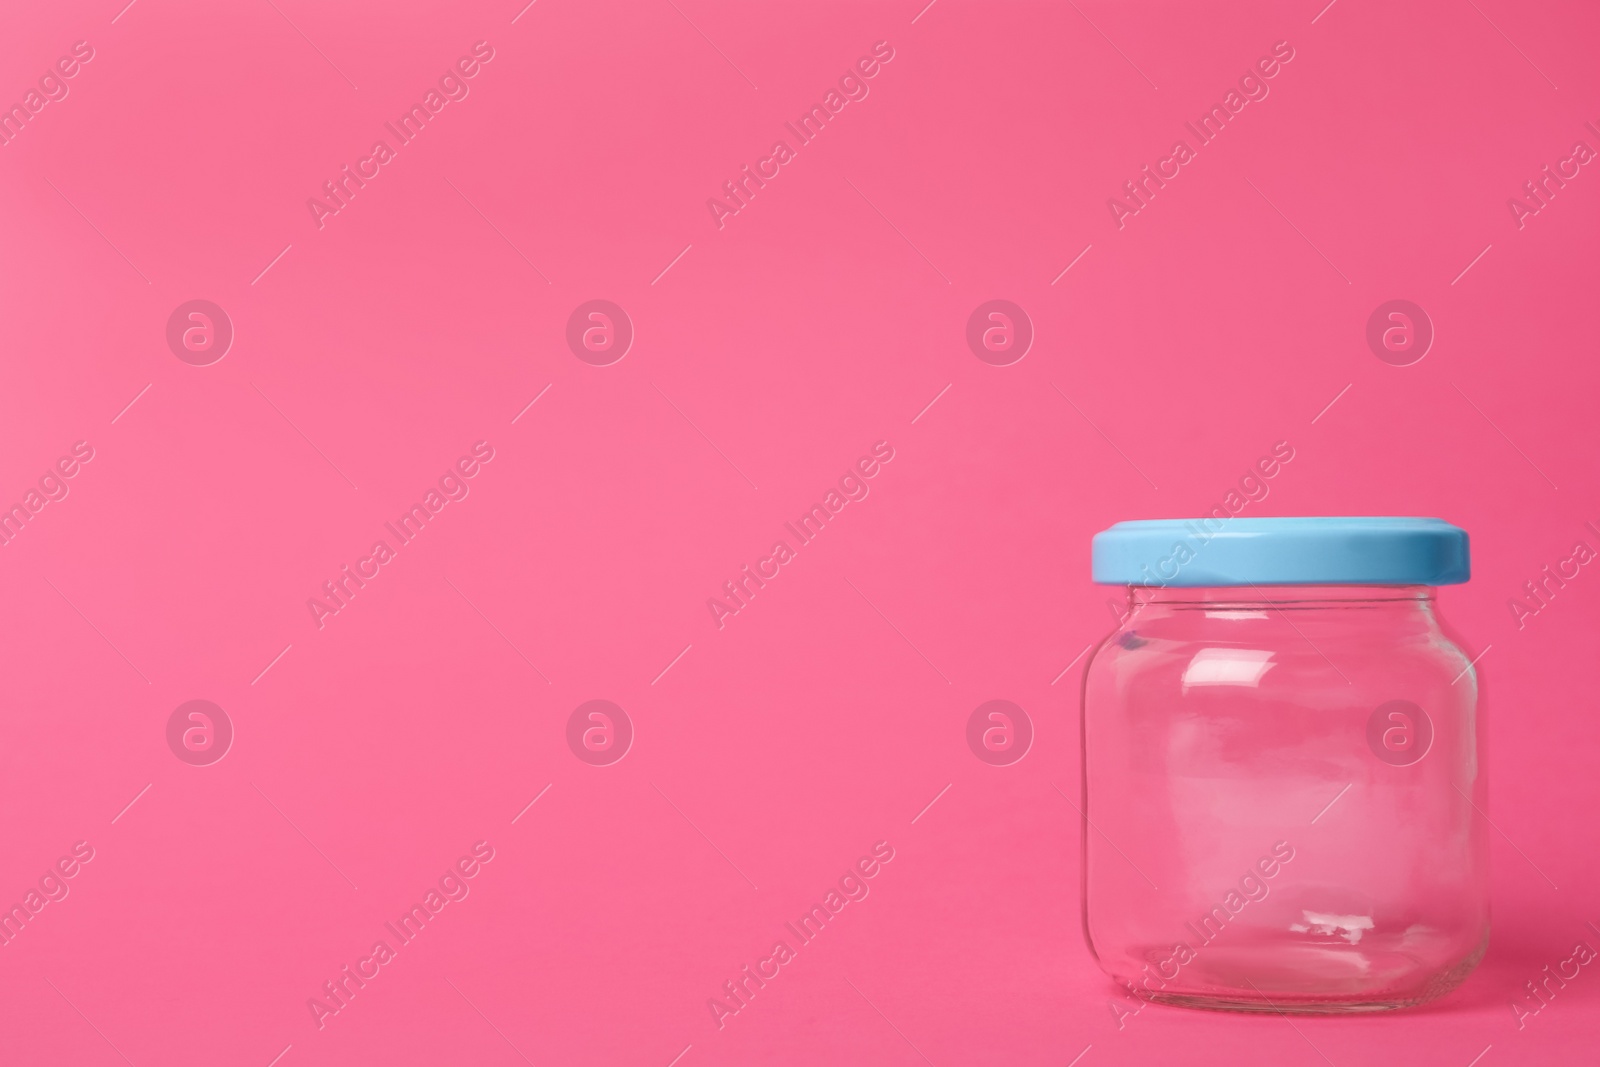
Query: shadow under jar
{"points": [[1282, 792]]}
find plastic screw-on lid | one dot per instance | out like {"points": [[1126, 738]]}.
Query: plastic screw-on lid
{"points": [[1299, 551]]}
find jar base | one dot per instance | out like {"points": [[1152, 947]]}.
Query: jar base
{"points": [[1275, 1007], [1291, 1004]]}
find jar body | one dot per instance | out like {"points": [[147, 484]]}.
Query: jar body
{"points": [[1282, 800]]}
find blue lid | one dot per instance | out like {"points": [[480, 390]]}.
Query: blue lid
{"points": [[1301, 551]]}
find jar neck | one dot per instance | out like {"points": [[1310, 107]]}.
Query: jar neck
{"points": [[1286, 597], [1144, 604]]}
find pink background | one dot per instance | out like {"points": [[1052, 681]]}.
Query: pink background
{"points": [[772, 352]]}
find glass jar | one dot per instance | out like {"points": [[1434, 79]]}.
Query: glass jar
{"points": [[1282, 790]]}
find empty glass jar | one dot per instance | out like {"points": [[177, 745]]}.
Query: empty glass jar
{"points": [[1282, 793]]}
